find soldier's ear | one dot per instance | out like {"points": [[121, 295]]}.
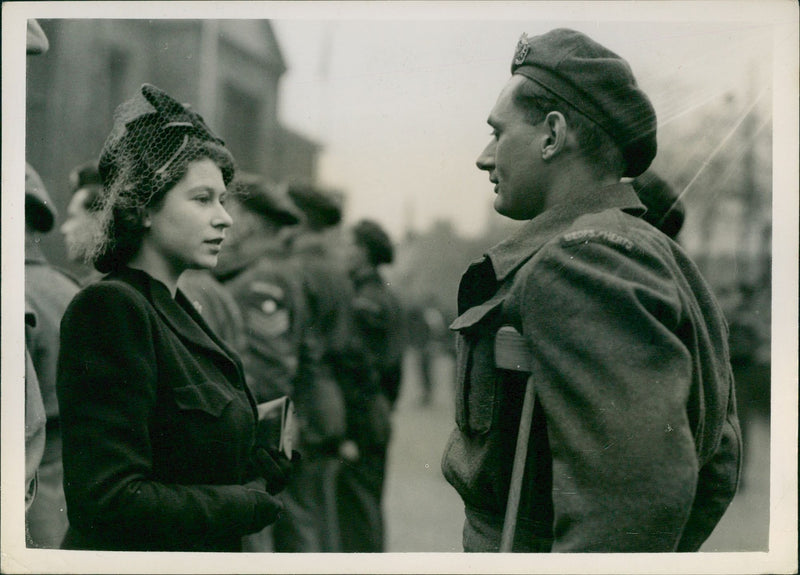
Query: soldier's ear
{"points": [[556, 137]]}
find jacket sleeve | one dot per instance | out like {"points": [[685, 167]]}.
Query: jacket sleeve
{"points": [[613, 380], [717, 483], [107, 376]]}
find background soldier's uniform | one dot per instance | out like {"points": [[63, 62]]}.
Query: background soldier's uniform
{"points": [[310, 523], [48, 292], [216, 305], [379, 328]]}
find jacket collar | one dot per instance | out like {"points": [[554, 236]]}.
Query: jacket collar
{"points": [[507, 256], [178, 313]]}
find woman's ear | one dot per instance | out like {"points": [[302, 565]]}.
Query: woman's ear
{"points": [[144, 217], [556, 139]]}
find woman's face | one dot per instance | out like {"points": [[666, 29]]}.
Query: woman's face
{"points": [[188, 227]]}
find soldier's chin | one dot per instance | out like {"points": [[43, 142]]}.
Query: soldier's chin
{"points": [[500, 208]]}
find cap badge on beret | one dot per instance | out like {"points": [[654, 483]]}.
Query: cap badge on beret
{"points": [[523, 48]]}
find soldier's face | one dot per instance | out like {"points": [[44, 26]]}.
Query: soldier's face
{"points": [[513, 158], [78, 224]]}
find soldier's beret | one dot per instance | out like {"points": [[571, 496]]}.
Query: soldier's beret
{"points": [[40, 213], [375, 240], [321, 208], [257, 196], [665, 210], [596, 82]]}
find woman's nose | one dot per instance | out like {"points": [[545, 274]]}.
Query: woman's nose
{"points": [[222, 218]]}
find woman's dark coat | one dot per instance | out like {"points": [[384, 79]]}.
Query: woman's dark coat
{"points": [[157, 422]]}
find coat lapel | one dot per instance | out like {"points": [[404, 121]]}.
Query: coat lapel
{"points": [[178, 314]]}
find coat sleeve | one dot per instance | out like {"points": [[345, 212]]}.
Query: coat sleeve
{"points": [[613, 379], [107, 391]]}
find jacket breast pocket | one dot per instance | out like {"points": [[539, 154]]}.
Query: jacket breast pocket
{"points": [[476, 375], [209, 397]]}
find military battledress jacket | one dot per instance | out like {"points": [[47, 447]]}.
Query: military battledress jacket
{"points": [[635, 440], [157, 421]]}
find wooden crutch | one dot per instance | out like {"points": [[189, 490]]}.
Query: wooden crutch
{"points": [[511, 352]]}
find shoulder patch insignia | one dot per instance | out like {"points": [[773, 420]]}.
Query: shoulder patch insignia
{"points": [[585, 236]]}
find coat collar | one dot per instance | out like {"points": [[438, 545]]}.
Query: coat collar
{"points": [[178, 313], [507, 256]]}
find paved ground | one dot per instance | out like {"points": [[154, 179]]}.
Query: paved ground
{"points": [[424, 514]]}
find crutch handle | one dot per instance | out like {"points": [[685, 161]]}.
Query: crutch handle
{"points": [[511, 350]]}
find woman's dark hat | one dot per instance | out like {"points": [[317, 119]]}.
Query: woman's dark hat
{"points": [[597, 83], [151, 131]]}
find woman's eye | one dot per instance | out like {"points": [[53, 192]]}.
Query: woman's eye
{"points": [[204, 199]]}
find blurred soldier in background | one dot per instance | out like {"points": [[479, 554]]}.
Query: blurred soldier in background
{"points": [[35, 426], [85, 187], [216, 305], [325, 364], [378, 320], [750, 355], [427, 337], [35, 416], [255, 269], [665, 209], [634, 440], [48, 291]]}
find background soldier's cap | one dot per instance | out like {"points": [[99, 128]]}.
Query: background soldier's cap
{"points": [[597, 83], [40, 213], [375, 240], [665, 210], [321, 208], [36, 39], [256, 195], [85, 175]]}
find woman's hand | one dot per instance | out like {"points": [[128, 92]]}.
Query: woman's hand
{"points": [[274, 467]]}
